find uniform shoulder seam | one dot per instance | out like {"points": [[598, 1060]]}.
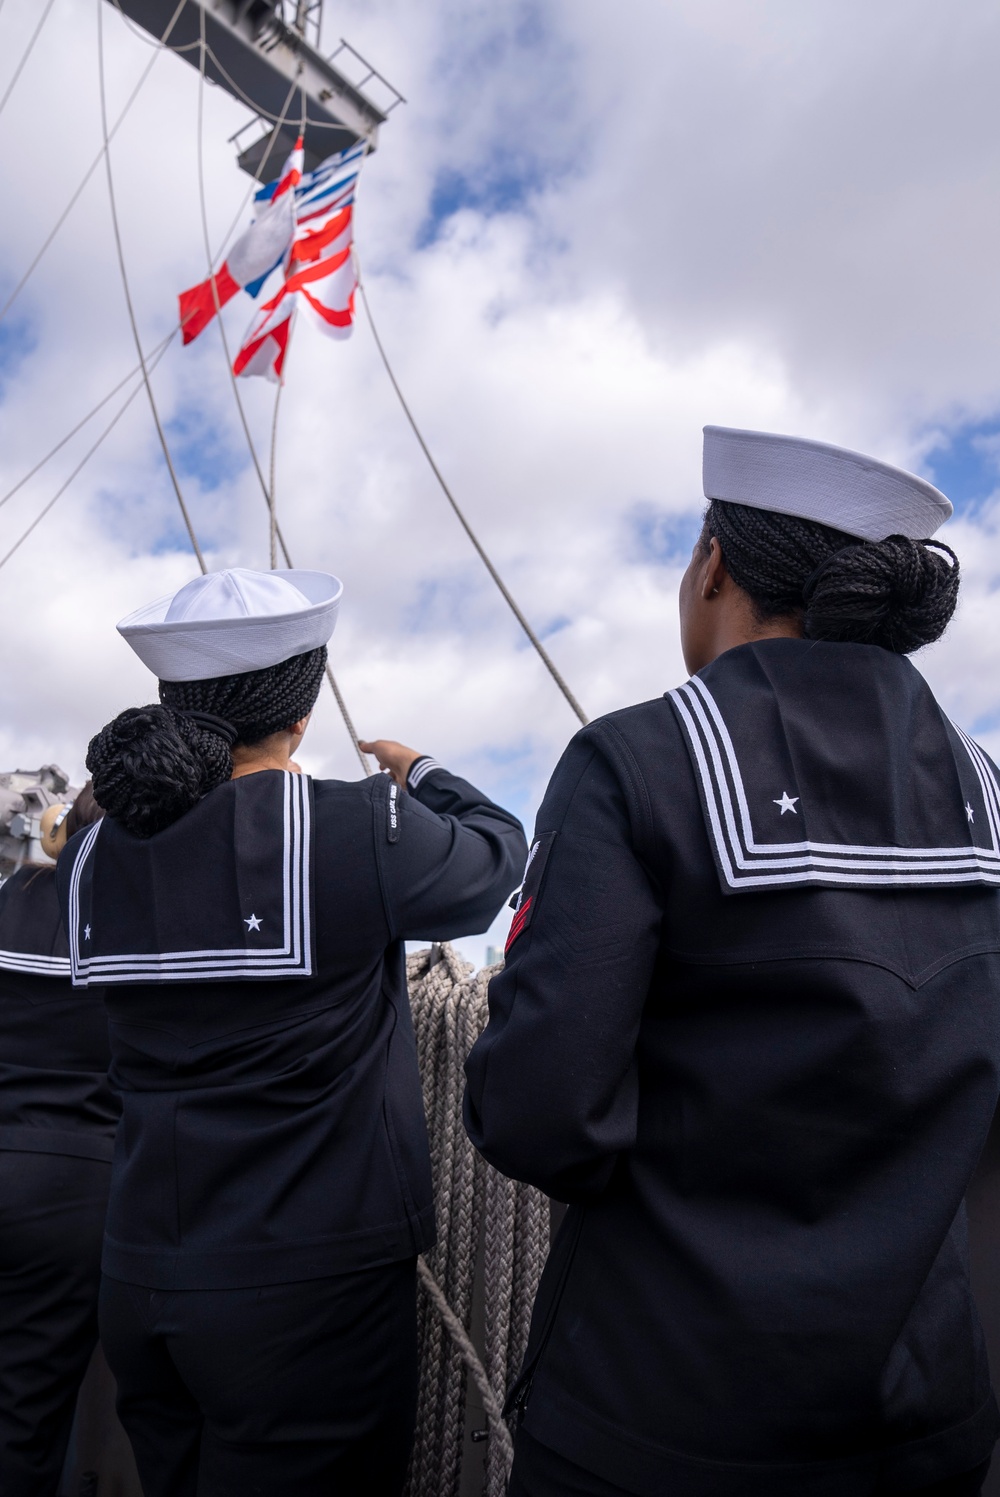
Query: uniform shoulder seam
{"points": [[637, 794]]}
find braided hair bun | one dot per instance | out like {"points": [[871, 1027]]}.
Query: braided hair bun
{"points": [[152, 764], [897, 593]]}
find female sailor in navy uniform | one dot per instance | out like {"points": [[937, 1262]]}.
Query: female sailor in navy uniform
{"points": [[57, 1127], [749, 1025], [271, 1181]]}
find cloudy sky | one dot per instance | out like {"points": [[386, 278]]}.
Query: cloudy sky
{"points": [[588, 232]]}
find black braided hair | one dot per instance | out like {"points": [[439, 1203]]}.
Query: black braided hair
{"points": [[84, 811], [897, 593], [152, 764], [257, 703]]}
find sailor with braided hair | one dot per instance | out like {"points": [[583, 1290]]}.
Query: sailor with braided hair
{"points": [[749, 1025], [271, 1183]]}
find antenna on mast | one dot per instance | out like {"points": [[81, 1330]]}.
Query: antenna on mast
{"points": [[309, 19], [256, 50]]}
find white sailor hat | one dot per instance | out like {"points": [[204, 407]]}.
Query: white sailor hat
{"points": [[845, 490], [228, 623]]}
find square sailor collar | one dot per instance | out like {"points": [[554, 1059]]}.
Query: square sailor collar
{"points": [[34, 964], [749, 824], [224, 895]]}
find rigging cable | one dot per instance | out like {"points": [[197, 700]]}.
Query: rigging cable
{"points": [[484, 558], [87, 455], [128, 297], [160, 348], [145, 37], [267, 489], [89, 172], [215, 294], [157, 352], [271, 501], [27, 53], [124, 381]]}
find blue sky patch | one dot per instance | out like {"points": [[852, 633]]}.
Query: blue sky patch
{"points": [[200, 450], [987, 723], [18, 340], [440, 603], [154, 526], [966, 466], [517, 161], [498, 186], [654, 535], [561, 621], [507, 774]]}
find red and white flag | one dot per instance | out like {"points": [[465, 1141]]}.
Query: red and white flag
{"points": [[320, 277], [253, 257]]}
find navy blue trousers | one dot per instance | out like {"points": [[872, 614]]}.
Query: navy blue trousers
{"points": [[51, 1225], [307, 1388]]}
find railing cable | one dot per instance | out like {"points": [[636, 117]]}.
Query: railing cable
{"points": [[128, 297]]}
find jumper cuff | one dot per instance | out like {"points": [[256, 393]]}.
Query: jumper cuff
{"points": [[419, 768]]}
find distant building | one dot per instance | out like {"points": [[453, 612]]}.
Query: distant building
{"points": [[494, 956]]}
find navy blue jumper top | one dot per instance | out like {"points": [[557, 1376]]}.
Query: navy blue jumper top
{"points": [[54, 1056], [251, 958], [749, 1027]]}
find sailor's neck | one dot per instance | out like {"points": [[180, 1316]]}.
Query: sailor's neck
{"points": [[273, 752]]}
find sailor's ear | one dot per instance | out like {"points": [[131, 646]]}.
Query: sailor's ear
{"points": [[298, 728], [714, 571]]}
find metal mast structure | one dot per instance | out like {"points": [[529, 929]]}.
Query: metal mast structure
{"points": [[257, 50]]}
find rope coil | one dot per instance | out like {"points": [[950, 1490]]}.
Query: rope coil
{"points": [[482, 1219]]}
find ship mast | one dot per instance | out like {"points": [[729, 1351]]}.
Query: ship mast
{"points": [[259, 50]]}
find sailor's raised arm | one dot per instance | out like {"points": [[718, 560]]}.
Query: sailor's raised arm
{"points": [[448, 856], [552, 1091]]}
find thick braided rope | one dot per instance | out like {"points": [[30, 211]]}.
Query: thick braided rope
{"points": [[425, 1016], [453, 1271], [499, 1279], [474, 1205], [532, 1230], [461, 1241], [470, 1356], [437, 1451]]}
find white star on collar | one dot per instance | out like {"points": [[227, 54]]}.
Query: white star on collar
{"points": [[970, 813], [252, 924], [86, 932], [787, 803]]}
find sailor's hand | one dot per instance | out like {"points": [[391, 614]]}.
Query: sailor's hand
{"points": [[394, 758]]}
